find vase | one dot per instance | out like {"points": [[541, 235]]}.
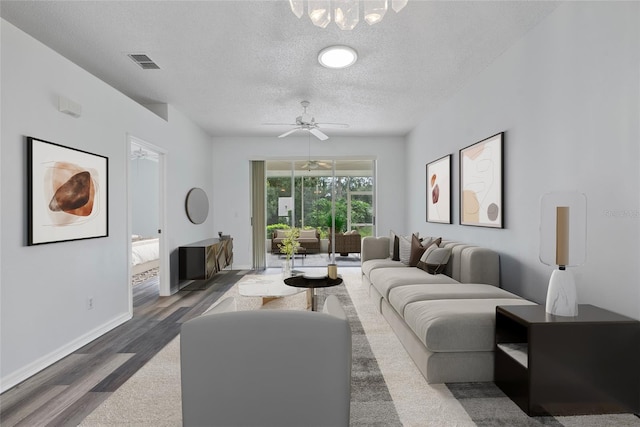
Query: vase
{"points": [[286, 268], [332, 271], [562, 299]]}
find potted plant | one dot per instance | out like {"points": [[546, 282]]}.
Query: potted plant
{"points": [[339, 222], [289, 246]]}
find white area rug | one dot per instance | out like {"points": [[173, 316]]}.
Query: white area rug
{"points": [[152, 396]]}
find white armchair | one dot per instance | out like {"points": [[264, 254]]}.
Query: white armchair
{"points": [[266, 367]]}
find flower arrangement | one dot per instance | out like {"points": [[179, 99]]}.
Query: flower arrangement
{"points": [[290, 244]]}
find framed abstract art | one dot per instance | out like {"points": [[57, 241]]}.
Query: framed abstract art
{"points": [[439, 190], [67, 193], [481, 201]]}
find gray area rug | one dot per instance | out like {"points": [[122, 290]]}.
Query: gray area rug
{"points": [[371, 402], [488, 406], [139, 278]]}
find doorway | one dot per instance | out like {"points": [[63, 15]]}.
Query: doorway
{"points": [[321, 194], [146, 196]]}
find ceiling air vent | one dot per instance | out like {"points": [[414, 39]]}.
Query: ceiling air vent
{"points": [[143, 61]]}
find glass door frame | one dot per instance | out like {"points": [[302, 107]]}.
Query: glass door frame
{"points": [[333, 174]]}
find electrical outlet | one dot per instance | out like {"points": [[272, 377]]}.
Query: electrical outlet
{"points": [[89, 303]]}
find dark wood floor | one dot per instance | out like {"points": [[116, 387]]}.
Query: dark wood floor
{"points": [[66, 392]]}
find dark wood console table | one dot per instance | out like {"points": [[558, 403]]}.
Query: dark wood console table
{"points": [[555, 365], [201, 260]]}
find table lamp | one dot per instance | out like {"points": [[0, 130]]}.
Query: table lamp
{"points": [[563, 237]]}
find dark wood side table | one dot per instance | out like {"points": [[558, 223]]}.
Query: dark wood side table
{"points": [[311, 283], [554, 365]]}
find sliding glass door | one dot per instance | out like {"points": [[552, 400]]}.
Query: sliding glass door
{"points": [[318, 194]]}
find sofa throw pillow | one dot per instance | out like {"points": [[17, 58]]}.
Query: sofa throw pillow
{"points": [[418, 247], [426, 242], [435, 241], [405, 248], [422, 262], [307, 234], [435, 261], [394, 246]]}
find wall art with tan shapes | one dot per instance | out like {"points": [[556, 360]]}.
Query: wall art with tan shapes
{"points": [[481, 201], [68, 193]]}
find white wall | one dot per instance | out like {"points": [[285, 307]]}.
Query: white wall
{"points": [[567, 97], [231, 169], [44, 289], [144, 184]]}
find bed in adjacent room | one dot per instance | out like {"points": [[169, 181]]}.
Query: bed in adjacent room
{"points": [[145, 254]]}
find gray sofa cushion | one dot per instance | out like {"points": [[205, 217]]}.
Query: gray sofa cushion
{"points": [[370, 265], [454, 264], [400, 296], [385, 279], [456, 325]]}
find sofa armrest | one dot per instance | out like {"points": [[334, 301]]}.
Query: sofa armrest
{"points": [[480, 265], [375, 248]]}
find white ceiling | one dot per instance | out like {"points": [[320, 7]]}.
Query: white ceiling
{"points": [[233, 65]]}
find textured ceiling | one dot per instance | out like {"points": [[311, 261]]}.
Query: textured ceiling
{"points": [[233, 65]]}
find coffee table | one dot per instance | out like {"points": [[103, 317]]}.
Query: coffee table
{"points": [[267, 286], [311, 283]]}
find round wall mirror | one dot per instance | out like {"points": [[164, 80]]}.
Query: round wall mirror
{"points": [[197, 205]]}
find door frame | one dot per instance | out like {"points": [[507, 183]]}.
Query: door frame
{"points": [[163, 271], [334, 160]]}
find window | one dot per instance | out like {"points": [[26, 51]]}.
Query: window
{"points": [[299, 193]]}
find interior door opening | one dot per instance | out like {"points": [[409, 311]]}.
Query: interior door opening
{"points": [[146, 215]]}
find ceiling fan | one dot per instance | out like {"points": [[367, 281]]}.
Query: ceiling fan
{"points": [[138, 154], [315, 164], [308, 123]]}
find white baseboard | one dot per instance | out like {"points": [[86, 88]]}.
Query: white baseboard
{"points": [[33, 368]]}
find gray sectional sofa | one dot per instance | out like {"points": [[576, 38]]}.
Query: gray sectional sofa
{"points": [[445, 321]]}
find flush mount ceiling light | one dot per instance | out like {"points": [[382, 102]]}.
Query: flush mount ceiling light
{"points": [[346, 13], [337, 57]]}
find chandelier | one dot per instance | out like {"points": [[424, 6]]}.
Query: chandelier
{"points": [[346, 13]]}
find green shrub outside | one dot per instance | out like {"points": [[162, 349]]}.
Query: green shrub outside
{"points": [[280, 226]]}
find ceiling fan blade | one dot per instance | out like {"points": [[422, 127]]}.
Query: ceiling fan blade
{"points": [[287, 133], [316, 132], [279, 124], [338, 125]]}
